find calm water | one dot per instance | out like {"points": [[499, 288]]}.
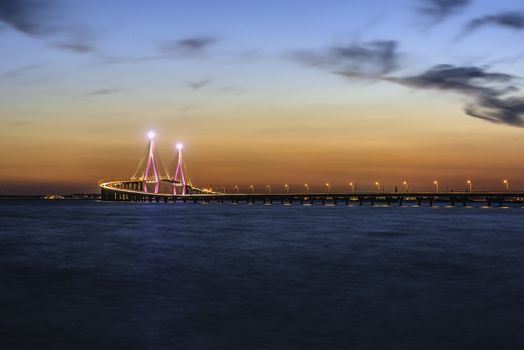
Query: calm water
{"points": [[92, 275]]}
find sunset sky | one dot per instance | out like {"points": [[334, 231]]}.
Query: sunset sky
{"points": [[263, 92]]}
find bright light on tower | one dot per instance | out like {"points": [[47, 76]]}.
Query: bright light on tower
{"points": [[179, 146], [151, 135]]}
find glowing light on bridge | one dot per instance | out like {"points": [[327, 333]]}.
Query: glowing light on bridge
{"points": [[151, 135], [180, 175]]}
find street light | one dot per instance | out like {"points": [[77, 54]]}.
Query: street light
{"points": [[287, 188], [469, 185], [268, 188], [252, 188], [405, 183], [352, 187], [436, 185], [506, 183], [378, 186], [328, 185], [236, 188], [307, 188], [223, 189]]}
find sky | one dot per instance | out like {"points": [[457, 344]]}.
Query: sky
{"points": [[263, 92]]}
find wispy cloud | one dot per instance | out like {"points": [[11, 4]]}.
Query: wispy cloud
{"points": [[438, 10], [188, 47], [103, 92], [76, 45], [21, 70], [198, 84], [510, 20], [368, 59]]}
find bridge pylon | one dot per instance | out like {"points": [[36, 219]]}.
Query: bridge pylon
{"points": [[150, 167], [180, 173], [151, 162]]}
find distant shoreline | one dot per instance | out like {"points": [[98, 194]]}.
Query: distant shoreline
{"points": [[76, 196]]}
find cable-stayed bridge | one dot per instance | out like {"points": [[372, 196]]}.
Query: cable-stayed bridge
{"points": [[152, 182]]}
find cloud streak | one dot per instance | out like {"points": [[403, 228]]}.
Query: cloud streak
{"points": [[510, 20], [441, 9], [368, 59], [102, 92], [22, 70], [198, 84], [193, 46]]}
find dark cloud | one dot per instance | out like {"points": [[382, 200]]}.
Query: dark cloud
{"points": [[370, 59], [511, 20], [32, 17], [103, 92], [41, 19], [187, 47], [440, 9], [198, 84], [499, 110], [491, 94], [468, 80]]}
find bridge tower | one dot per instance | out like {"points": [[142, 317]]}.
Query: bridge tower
{"points": [[180, 174], [151, 162]]}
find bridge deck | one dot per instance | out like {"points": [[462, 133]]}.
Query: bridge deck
{"points": [[121, 191]]}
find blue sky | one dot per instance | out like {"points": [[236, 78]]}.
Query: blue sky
{"points": [[244, 70]]}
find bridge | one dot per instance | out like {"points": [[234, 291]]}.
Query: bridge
{"points": [[151, 182]]}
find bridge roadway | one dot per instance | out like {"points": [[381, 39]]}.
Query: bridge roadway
{"points": [[130, 190]]}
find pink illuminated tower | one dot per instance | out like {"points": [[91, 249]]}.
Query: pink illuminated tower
{"points": [[179, 170], [151, 161]]}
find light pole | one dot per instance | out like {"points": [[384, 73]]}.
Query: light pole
{"points": [[287, 188], [378, 186], [469, 185], [307, 188], [436, 185], [268, 188], [352, 187], [405, 183], [252, 188], [506, 183], [223, 189], [236, 188], [328, 185]]}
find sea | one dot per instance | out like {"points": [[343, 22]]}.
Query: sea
{"points": [[78, 274]]}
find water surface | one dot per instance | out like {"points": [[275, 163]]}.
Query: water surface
{"points": [[95, 275]]}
